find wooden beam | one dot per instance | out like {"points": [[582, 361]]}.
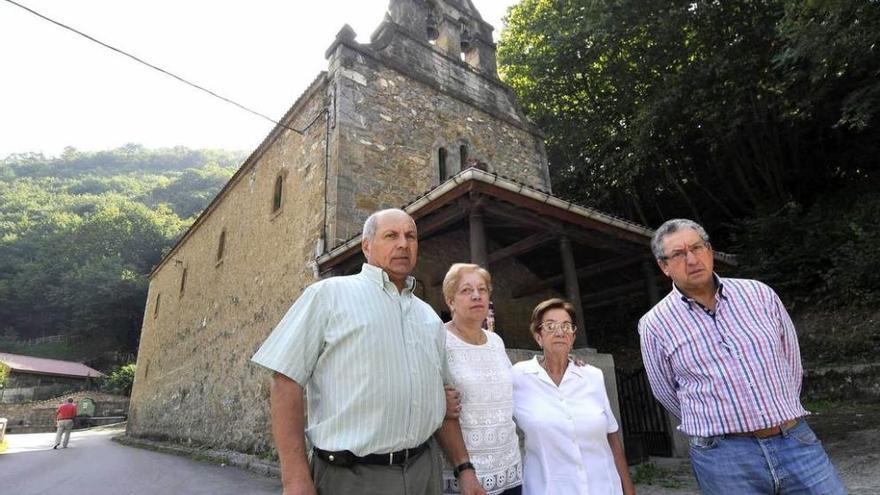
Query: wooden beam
{"points": [[586, 271], [522, 246], [438, 221], [561, 214], [612, 300], [604, 241], [614, 291], [523, 217]]}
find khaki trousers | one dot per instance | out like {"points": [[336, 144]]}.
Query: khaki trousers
{"points": [[421, 476], [64, 428]]}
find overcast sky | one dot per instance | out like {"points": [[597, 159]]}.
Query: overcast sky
{"points": [[58, 89]]}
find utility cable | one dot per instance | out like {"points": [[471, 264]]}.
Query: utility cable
{"points": [[167, 73]]}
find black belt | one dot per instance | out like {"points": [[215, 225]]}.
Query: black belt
{"points": [[345, 458]]}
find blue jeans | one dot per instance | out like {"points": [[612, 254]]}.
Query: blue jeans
{"points": [[791, 463]]}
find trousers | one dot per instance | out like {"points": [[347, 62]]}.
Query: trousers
{"points": [[64, 428], [420, 476], [793, 462]]}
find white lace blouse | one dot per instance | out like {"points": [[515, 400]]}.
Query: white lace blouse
{"points": [[482, 374]]}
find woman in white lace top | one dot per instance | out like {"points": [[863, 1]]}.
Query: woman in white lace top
{"points": [[481, 372]]}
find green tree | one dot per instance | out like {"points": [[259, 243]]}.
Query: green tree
{"points": [[4, 375], [712, 110], [121, 380], [80, 232]]}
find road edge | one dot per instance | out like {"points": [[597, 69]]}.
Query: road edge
{"points": [[222, 457]]}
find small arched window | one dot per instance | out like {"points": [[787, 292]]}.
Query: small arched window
{"points": [[278, 195], [156, 307], [221, 246], [182, 281], [463, 156], [441, 164]]}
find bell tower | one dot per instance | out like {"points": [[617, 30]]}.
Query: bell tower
{"points": [[419, 103], [454, 27]]}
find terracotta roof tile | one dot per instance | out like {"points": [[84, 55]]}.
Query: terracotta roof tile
{"points": [[45, 366]]}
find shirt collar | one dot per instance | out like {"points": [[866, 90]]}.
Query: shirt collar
{"points": [[533, 367], [719, 291], [380, 277]]}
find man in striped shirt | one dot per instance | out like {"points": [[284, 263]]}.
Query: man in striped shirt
{"points": [[372, 359], [722, 355]]}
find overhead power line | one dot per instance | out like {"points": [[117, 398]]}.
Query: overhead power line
{"points": [[163, 71]]}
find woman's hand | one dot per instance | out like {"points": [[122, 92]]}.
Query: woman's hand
{"points": [[469, 484]]}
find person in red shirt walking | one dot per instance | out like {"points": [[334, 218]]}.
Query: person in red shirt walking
{"points": [[64, 422]]}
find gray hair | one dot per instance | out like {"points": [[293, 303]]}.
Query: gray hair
{"points": [[372, 223], [670, 227]]}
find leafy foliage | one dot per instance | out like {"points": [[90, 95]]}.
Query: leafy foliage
{"points": [[711, 110], [79, 233], [4, 375], [829, 254], [121, 380], [757, 118]]}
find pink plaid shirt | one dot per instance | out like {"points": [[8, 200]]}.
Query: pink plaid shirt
{"points": [[734, 369]]}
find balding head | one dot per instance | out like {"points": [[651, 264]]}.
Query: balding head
{"points": [[390, 242]]}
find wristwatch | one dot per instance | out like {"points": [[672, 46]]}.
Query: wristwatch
{"points": [[464, 466]]}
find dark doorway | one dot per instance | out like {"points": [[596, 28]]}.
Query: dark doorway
{"points": [[643, 419]]}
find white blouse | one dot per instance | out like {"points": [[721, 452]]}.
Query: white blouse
{"points": [[566, 431], [482, 375]]}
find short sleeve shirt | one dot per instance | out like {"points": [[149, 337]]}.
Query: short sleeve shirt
{"points": [[566, 431], [371, 358]]}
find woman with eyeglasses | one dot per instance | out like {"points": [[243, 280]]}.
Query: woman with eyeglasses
{"points": [[572, 445], [481, 373]]}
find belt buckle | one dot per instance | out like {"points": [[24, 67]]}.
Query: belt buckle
{"points": [[404, 453]]}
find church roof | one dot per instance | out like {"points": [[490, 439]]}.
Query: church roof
{"points": [[43, 366], [527, 199]]}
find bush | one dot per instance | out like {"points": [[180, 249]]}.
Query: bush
{"points": [[827, 255], [121, 380], [4, 374]]}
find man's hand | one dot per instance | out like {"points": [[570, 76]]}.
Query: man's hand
{"points": [[453, 402], [469, 484]]}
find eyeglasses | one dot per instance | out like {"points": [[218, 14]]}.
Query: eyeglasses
{"points": [[470, 291], [565, 327], [679, 255]]}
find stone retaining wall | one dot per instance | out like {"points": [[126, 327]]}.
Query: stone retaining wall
{"points": [[851, 382], [34, 417]]}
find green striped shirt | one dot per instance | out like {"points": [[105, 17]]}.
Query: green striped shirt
{"points": [[371, 359]]}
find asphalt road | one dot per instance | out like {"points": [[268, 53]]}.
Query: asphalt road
{"points": [[95, 465]]}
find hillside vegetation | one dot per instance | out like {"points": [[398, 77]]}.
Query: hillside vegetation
{"points": [[79, 233]]}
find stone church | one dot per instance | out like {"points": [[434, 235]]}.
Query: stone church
{"points": [[395, 122]]}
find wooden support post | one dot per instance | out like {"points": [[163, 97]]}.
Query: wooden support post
{"points": [[651, 282], [479, 250], [573, 290]]}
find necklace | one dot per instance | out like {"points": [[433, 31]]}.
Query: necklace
{"points": [[478, 339]]}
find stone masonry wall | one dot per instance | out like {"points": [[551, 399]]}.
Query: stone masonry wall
{"points": [[194, 378], [391, 124]]}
